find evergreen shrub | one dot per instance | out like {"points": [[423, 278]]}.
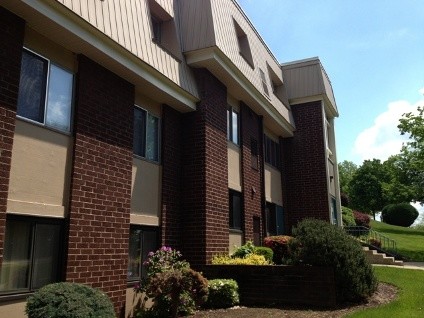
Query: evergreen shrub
{"points": [[319, 243], [223, 293], [69, 300], [401, 214]]}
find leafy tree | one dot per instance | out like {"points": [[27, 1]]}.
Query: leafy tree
{"points": [[366, 187], [346, 171], [412, 153]]}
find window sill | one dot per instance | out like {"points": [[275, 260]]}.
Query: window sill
{"points": [[15, 296], [147, 160], [36, 123], [236, 231]]}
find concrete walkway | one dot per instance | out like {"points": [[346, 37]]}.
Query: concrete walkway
{"points": [[408, 265]]}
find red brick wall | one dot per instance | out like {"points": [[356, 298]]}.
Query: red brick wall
{"points": [[101, 181], [304, 166], [171, 176], [11, 41], [252, 179], [205, 176]]}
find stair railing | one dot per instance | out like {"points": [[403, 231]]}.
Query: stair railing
{"points": [[372, 238]]}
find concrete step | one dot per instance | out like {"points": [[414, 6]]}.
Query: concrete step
{"points": [[375, 257]]}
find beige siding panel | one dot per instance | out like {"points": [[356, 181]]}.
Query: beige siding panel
{"points": [[273, 189], [236, 240], [127, 22], [196, 24], [40, 171], [13, 309], [224, 13], [234, 174], [146, 188]]}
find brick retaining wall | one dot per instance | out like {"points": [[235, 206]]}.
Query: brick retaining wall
{"points": [[275, 285]]}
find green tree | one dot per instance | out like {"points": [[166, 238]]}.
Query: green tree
{"points": [[366, 187], [412, 124], [346, 171]]}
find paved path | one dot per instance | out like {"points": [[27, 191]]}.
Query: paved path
{"points": [[410, 265]]}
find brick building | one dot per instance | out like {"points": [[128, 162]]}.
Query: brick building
{"points": [[125, 125]]}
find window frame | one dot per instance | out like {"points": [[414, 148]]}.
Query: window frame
{"points": [[34, 221], [271, 211], [230, 125], [231, 219], [141, 268], [159, 135], [46, 93]]}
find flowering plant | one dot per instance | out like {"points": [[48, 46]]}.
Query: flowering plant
{"points": [[164, 259]]}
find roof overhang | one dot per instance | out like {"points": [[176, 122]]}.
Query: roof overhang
{"points": [[278, 118]]}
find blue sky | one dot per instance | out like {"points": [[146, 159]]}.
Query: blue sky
{"points": [[373, 52]]}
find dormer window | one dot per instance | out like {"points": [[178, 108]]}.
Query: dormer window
{"points": [[243, 43]]}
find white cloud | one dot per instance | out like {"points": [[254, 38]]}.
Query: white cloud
{"points": [[421, 91], [383, 139]]}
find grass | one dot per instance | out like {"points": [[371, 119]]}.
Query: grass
{"points": [[410, 241], [410, 300]]}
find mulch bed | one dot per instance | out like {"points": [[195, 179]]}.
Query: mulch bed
{"points": [[385, 293]]}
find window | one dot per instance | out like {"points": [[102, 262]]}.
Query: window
{"points": [[264, 84], [45, 92], [146, 135], [157, 29], [31, 254], [272, 152], [276, 82], [235, 210], [274, 219], [232, 125], [243, 43], [142, 241]]}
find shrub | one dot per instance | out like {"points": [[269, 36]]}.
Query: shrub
{"points": [[173, 286], [362, 219], [319, 243], [344, 199], [251, 259], [244, 250], [223, 293], [177, 291], [401, 214], [279, 245], [265, 252], [347, 217], [69, 300]]}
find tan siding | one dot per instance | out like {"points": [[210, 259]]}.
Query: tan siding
{"points": [[234, 174], [273, 189], [13, 309], [127, 22], [196, 24], [39, 176]]}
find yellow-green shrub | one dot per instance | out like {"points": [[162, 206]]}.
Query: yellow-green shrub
{"points": [[251, 259]]}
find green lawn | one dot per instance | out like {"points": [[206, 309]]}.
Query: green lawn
{"points": [[410, 300], [410, 242]]}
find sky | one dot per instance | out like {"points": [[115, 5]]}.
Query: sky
{"points": [[373, 52]]}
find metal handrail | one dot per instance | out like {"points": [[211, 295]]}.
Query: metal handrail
{"points": [[372, 238]]}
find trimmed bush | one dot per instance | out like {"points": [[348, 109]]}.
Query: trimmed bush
{"points": [[223, 293], [401, 214], [347, 217], [279, 245], [319, 243], [265, 252], [69, 300], [362, 219], [244, 250], [251, 259]]}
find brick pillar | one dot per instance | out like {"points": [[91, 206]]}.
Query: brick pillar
{"points": [[251, 177], [304, 166], [11, 41], [171, 176], [205, 214], [101, 181]]}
